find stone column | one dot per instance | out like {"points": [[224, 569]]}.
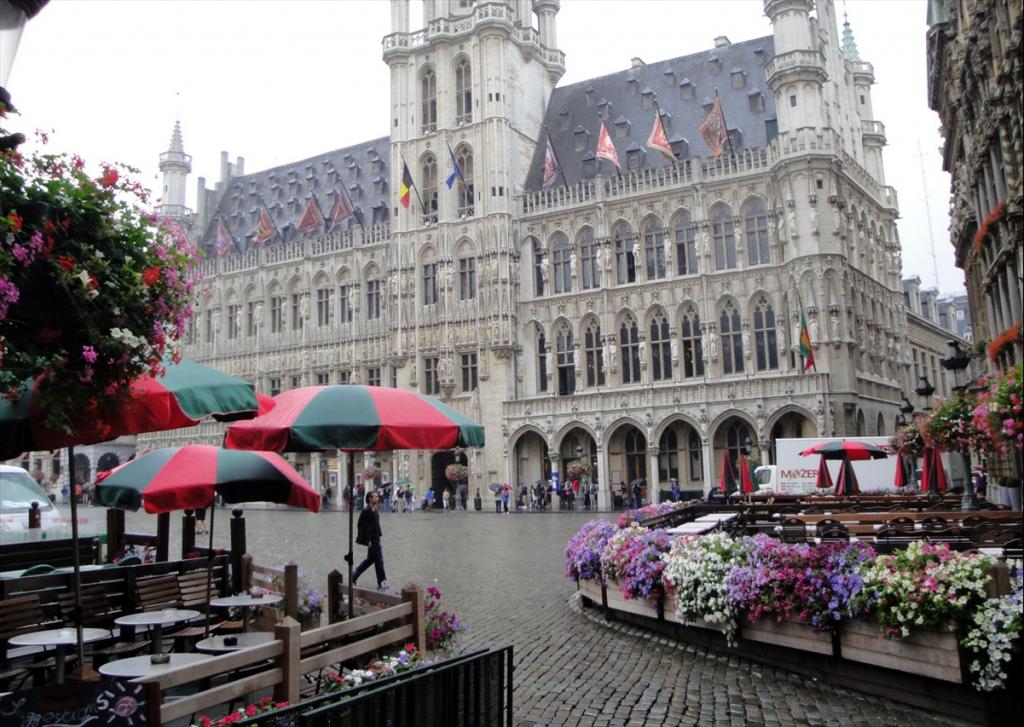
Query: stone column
{"points": [[709, 454], [653, 488], [314, 475], [555, 457], [604, 500]]}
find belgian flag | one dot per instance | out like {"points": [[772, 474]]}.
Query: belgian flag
{"points": [[406, 187]]}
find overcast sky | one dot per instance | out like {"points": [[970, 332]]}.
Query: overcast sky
{"points": [[279, 81]]}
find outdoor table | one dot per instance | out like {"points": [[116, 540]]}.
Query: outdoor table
{"points": [[142, 666], [717, 517], [157, 619], [692, 528], [59, 638], [245, 601], [216, 645]]}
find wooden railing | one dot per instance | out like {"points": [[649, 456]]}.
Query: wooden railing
{"points": [[287, 658], [272, 579]]}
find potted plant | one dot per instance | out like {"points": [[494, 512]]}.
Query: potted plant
{"points": [[578, 468], [456, 473], [371, 473]]}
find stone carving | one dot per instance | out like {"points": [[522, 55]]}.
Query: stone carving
{"points": [[812, 327], [674, 347], [780, 227], [667, 246], [704, 241], [257, 314], [813, 214], [612, 354], [834, 322], [304, 307], [641, 352], [636, 254], [545, 270], [606, 260], [745, 338], [577, 361], [791, 222], [572, 263], [549, 361], [712, 345], [446, 368], [238, 320]]}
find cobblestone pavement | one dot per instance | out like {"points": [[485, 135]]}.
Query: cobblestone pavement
{"points": [[503, 576]]}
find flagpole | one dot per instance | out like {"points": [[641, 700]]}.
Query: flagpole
{"points": [[803, 324], [657, 110], [551, 145], [359, 217], [725, 125], [405, 165], [458, 169]]}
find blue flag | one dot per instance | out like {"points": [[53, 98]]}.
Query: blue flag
{"points": [[456, 172]]}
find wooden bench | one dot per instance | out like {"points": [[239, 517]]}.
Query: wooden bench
{"points": [[58, 553], [102, 603], [19, 616]]}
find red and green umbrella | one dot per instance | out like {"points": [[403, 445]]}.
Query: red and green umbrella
{"points": [[354, 418], [746, 482], [846, 449], [847, 485], [185, 394], [183, 478], [824, 481], [727, 482]]}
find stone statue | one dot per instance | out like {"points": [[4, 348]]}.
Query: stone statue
{"points": [[351, 299], [394, 285], [216, 322], [613, 353], [549, 361], [796, 333], [780, 341], [572, 263], [674, 347], [780, 229], [641, 352], [812, 329], [606, 259], [712, 347], [257, 314], [577, 360], [704, 241], [545, 270], [446, 368], [354, 377], [813, 214], [835, 326], [791, 222], [412, 372], [304, 306], [745, 339], [238, 320], [636, 253]]}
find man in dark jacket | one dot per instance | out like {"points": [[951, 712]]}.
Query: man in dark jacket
{"points": [[368, 533]]}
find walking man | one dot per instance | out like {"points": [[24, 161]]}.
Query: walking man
{"points": [[368, 533]]}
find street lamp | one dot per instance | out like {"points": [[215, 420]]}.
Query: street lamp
{"points": [[957, 362], [906, 408], [924, 388]]}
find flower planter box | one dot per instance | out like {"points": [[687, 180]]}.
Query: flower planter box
{"points": [[618, 602], [791, 635], [670, 615], [591, 589], [928, 652]]}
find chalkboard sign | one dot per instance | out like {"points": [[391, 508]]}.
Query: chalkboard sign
{"points": [[108, 702]]}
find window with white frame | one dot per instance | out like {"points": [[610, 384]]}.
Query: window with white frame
{"points": [[465, 186], [590, 266], [372, 299], [344, 308], [428, 189], [661, 351], [467, 278], [324, 306], [654, 251], [428, 100], [629, 344], [730, 326], [625, 265], [685, 233], [564, 348], [767, 353], [431, 379], [724, 237], [691, 348], [463, 93], [276, 313], [756, 225], [561, 252], [594, 354], [469, 373], [430, 283]]}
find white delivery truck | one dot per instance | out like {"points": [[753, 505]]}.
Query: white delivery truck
{"points": [[796, 475]]}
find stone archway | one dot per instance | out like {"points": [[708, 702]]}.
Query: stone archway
{"points": [[579, 444], [627, 459], [681, 456], [791, 425], [732, 436], [531, 461]]}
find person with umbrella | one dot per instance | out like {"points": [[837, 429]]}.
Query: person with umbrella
{"points": [[370, 534]]}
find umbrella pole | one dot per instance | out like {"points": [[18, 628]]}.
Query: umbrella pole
{"points": [[209, 569], [76, 578], [350, 558]]}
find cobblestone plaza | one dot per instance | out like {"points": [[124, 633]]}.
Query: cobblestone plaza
{"points": [[571, 667]]}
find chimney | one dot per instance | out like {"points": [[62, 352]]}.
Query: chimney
{"points": [[722, 41], [636, 63]]}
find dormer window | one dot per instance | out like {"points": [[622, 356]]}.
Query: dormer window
{"points": [[354, 170], [378, 186], [635, 156], [355, 191], [760, 56], [735, 138], [579, 138], [632, 86], [680, 146], [687, 90], [589, 93], [647, 97], [564, 119], [276, 191], [589, 165], [603, 107], [666, 120], [738, 77], [377, 166], [621, 127], [755, 100], [708, 103], [670, 78], [715, 64]]}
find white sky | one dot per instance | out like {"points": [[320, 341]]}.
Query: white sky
{"points": [[278, 81]]}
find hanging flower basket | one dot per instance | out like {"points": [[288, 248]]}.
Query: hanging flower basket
{"points": [[456, 473], [94, 292], [371, 473], [578, 468]]}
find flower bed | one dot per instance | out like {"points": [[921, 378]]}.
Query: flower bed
{"points": [[583, 553], [647, 512], [928, 652], [406, 659]]}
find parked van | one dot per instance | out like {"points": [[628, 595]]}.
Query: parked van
{"points": [[17, 493]]}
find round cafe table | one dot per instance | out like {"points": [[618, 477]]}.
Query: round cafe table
{"points": [[245, 601], [157, 620], [60, 639], [142, 666], [216, 645]]}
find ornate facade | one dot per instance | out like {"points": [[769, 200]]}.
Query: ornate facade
{"points": [[645, 318]]}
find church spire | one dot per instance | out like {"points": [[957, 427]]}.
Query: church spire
{"points": [[849, 44], [176, 142], [176, 166]]}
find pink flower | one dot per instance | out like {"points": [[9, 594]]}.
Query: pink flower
{"points": [[89, 354]]}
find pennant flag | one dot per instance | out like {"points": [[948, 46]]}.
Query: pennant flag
{"points": [[312, 218], [551, 166], [456, 172], [403, 191], [806, 352], [713, 129], [342, 210], [605, 147], [224, 238], [265, 228], [658, 140]]}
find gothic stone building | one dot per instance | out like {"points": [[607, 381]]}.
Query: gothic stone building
{"points": [[645, 319]]}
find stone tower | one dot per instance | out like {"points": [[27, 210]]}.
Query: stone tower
{"points": [[176, 166]]}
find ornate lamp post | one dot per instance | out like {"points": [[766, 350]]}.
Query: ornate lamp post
{"points": [[957, 362], [924, 388]]}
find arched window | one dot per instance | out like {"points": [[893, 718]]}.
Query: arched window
{"points": [[463, 93], [764, 336], [590, 269], [542, 361], [732, 341], [629, 342], [668, 456], [661, 352], [724, 238], [428, 189], [625, 265], [324, 303], [695, 456], [594, 354], [430, 291], [428, 100], [467, 278], [373, 299], [686, 245], [692, 347], [654, 251], [737, 440], [561, 251], [880, 426], [566, 365], [539, 260], [756, 225], [636, 455], [464, 157]]}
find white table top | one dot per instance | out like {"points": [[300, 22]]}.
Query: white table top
{"points": [[716, 517], [692, 528], [216, 645], [157, 618], [59, 637], [141, 666], [245, 600]]}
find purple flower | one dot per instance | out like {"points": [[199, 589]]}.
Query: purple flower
{"points": [[89, 354]]}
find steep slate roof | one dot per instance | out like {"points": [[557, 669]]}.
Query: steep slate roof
{"points": [[569, 112], [356, 171]]}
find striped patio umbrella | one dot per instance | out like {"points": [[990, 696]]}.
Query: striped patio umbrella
{"points": [[933, 476], [847, 485], [354, 418], [181, 478], [846, 449], [900, 478], [746, 481], [184, 395], [824, 481], [727, 482]]}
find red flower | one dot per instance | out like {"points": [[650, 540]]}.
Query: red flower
{"points": [[109, 178], [151, 275], [66, 263], [15, 221], [93, 282], [250, 710]]}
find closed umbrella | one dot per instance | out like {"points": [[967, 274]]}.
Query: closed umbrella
{"points": [[824, 481], [746, 482], [847, 485], [847, 451], [189, 477], [354, 418], [900, 478], [933, 475], [727, 482]]}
